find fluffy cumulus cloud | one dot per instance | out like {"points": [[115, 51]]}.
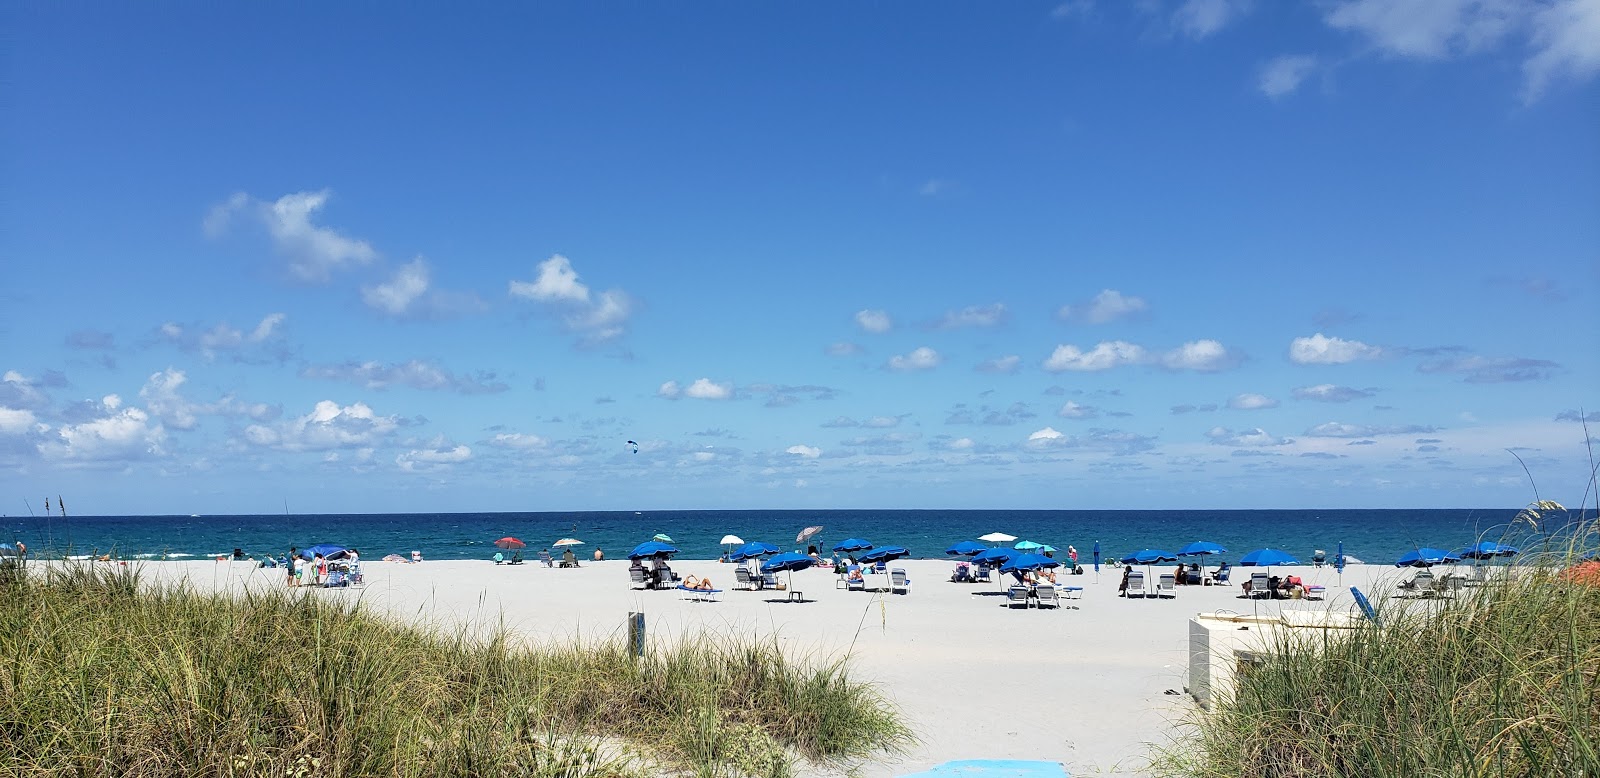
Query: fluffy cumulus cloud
{"points": [[438, 455], [163, 398], [1493, 370], [804, 451], [1249, 401], [1107, 306], [263, 341], [20, 391], [1330, 393], [1072, 410], [415, 374], [313, 252], [409, 293], [1250, 438], [1097, 440], [1205, 356], [115, 434], [596, 318], [1320, 349], [1007, 364], [327, 427], [1334, 429], [1104, 356], [874, 321], [1281, 76], [1202, 18], [973, 316], [1566, 41], [700, 389], [16, 421], [922, 358]]}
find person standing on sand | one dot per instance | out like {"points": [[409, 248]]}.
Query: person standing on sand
{"points": [[1122, 590], [293, 553], [1072, 553]]}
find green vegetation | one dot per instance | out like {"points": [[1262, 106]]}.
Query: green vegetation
{"points": [[1504, 680], [103, 676]]}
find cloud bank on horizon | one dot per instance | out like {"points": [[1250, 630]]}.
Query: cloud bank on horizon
{"points": [[1097, 255]]}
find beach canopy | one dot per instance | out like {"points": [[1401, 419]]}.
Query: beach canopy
{"points": [[993, 556], [731, 540], [997, 537], [806, 533], [567, 542], [791, 561], [1028, 545], [326, 550], [1022, 562], [1201, 548], [884, 554], [1486, 550], [1149, 556], [753, 549], [853, 544], [662, 536], [965, 548], [651, 548], [1267, 557], [1425, 557], [509, 542]]}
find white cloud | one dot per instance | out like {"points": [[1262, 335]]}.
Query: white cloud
{"points": [[20, 391], [518, 440], [1107, 306], [118, 435], [1106, 355], [1334, 429], [440, 455], [1429, 29], [844, 349], [269, 325], [597, 318], [1072, 410], [961, 444], [873, 321], [803, 451], [225, 338], [163, 397], [1009, 363], [314, 252], [921, 358], [416, 374], [16, 421], [396, 296], [1206, 356], [1566, 39], [973, 316], [1250, 438], [670, 390], [1200, 18], [706, 389], [1320, 349], [1330, 393], [328, 426], [1249, 401], [1282, 75], [1048, 433]]}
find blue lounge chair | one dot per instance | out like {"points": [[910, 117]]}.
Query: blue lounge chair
{"points": [[701, 595]]}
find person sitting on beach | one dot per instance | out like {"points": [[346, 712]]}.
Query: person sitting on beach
{"points": [[1293, 586], [855, 573], [516, 557], [499, 557], [569, 559], [599, 556], [1179, 578], [1122, 590]]}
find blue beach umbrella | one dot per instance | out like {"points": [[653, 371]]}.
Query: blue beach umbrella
{"points": [[1024, 562], [884, 554], [1486, 550], [1028, 545], [752, 549], [965, 548], [1425, 557], [993, 556], [790, 562], [1097, 557], [1267, 557], [1201, 548], [1338, 559], [327, 550], [1149, 556], [853, 544], [651, 548]]}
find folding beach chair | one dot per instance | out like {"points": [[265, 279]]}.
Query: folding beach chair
{"points": [[741, 579], [1071, 592], [1136, 584], [701, 595], [769, 580], [1017, 596], [1260, 586], [982, 574], [544, 556], [1046, 595], [899, 582], [637, 578], [855, 584], [1166, 586], [961, 574]]}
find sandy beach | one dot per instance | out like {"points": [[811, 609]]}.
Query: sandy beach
{"points": [[1085, 685]]}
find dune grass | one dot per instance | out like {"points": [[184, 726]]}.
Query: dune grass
{"points": [[1504, 680], [102, 675]]}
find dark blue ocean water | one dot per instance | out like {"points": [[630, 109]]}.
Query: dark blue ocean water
{"points": [[1371, 535]]}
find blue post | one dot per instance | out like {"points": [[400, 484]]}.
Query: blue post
{"points": [[1338, 559]]}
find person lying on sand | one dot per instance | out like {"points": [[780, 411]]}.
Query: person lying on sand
{"points": [[694, 582]]}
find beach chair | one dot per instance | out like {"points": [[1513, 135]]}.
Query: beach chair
{"points": [[1071, 592], [1480, 575], [982, 574], [1316, 592], [962, 574], [1420, 585], [357, 579], [899, 582], [1167, 586], [638, 578], [741, 579], [1136, 584], [701, 595], [769, 580], [1017, 596], [544, 556], [1260, 586], [1046, 595]]}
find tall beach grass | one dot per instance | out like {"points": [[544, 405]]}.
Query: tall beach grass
{"points": [[104, 675]]}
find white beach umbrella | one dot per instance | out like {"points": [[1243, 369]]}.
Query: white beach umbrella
{"points": [[567, 542], [732, 540], [998, 537]]}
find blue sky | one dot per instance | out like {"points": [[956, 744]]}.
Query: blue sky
{"points": [[1196, 253]]}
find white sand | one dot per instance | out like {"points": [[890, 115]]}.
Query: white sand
{"points": [[1083, 685]]}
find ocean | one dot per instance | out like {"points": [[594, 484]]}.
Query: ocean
{"points": [[1378, 536]]}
